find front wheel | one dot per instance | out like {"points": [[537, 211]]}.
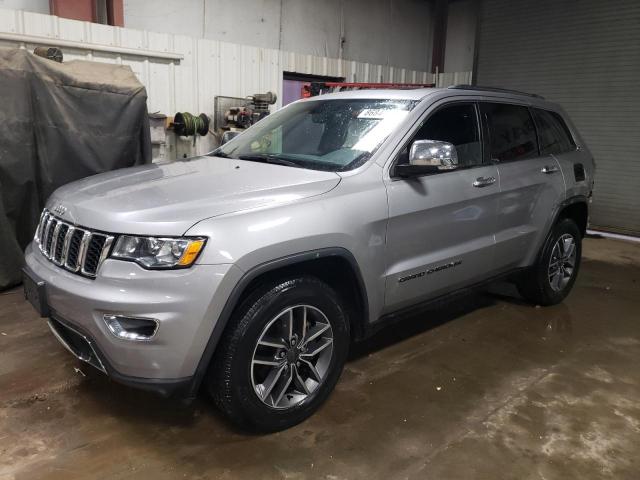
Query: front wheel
{"points": [[281, 356], [550, 280]]}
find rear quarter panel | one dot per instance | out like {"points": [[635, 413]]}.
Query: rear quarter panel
{"points": [[569, 160]]}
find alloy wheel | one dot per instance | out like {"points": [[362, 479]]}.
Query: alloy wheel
{"points": [[292, 356], [562, 262]]}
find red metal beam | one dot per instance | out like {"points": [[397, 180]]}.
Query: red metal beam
{"points": [[115, 13], [84, 10], [376, 85]]}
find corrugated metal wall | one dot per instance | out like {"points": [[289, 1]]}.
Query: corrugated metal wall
{"points": [[208, 67], [381, 32], [586, 56]]}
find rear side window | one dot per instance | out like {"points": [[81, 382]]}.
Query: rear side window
{"points": [[553, 133], [512, 135]]}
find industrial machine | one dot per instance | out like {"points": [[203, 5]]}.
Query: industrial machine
{"points": [[235, 113]]}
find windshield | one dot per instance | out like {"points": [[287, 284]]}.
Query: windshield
{"points": [[333, 135]]}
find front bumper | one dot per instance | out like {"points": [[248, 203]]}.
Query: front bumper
{"points": [[81, 345], [186, 303]]}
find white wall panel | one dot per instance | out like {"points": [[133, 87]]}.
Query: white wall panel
{"points": [[388, 32], [103, 34], [38, 6], [184, 17], [208, 67]]}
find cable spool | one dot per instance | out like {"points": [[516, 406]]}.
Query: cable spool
{"points": [[185, 124]]}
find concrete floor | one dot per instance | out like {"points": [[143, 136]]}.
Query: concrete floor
{"points": [[486, 388]]}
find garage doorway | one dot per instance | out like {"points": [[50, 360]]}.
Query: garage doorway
{"points": [[293, 83]]}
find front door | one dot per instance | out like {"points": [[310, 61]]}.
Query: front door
{"points": [[441, 226]]}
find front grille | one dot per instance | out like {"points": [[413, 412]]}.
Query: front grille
{"points": [[77, 249]]}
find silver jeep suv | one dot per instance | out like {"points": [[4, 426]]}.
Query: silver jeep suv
{"points": [[251, 270]]}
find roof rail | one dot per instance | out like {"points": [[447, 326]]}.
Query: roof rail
{"points": [[494, 89]]}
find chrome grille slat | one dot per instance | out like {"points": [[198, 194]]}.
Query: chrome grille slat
{"points": [[58, 241], [45, 221], [54, 241], [38, 235], [51, 236], [105, 250], [47, 232], [40, 231], [83, 249], [65, 246], [84, 256]]}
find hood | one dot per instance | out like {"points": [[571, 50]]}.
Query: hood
{"points": [[167, 199]]}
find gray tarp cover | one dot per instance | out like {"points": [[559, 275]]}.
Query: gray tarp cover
{"points": [[59, 123]]}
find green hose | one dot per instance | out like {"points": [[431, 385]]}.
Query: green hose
{"points": [[185, 124]]}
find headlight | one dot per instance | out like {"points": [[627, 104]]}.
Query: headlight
{"points": [[152, 252]]}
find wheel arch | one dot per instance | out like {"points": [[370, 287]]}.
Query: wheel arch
{"points": [[322, 263], [576, 209]]}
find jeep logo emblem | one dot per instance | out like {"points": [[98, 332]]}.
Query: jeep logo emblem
{"points": [[59, 209]]}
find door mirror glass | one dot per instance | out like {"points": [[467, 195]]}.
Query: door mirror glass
{"points": [[433, 153]]}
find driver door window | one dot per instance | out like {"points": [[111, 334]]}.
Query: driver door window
{"points": [[456, 124]]}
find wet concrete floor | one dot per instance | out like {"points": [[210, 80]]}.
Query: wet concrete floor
{"points": [[485, 388]]}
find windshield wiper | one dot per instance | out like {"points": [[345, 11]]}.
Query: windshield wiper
{"points": [[269, 158]]}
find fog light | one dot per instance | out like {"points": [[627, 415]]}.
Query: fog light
{"points": [[131, 328]]}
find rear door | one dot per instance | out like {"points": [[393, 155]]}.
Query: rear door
{"points": [[441, 226], [531, 183]]}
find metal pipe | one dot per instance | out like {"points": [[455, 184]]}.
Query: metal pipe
{"points": [[58, 42]]}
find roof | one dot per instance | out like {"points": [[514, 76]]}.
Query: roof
{"points": [[384, 93], [422, 93]]}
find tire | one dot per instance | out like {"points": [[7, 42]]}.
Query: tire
{"points": [[538, 285], [241, 384]]}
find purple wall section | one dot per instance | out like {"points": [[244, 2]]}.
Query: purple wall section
{"points": [[292, 91]]}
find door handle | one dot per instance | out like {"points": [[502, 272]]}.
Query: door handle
{"points": [[484, 181], [547, 169]]}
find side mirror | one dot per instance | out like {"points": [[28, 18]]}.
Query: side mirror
{"points": [[228, 135], [428, 156]]}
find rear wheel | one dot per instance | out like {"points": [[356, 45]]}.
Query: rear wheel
{"points": [[281, 356], [550, 280]]}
